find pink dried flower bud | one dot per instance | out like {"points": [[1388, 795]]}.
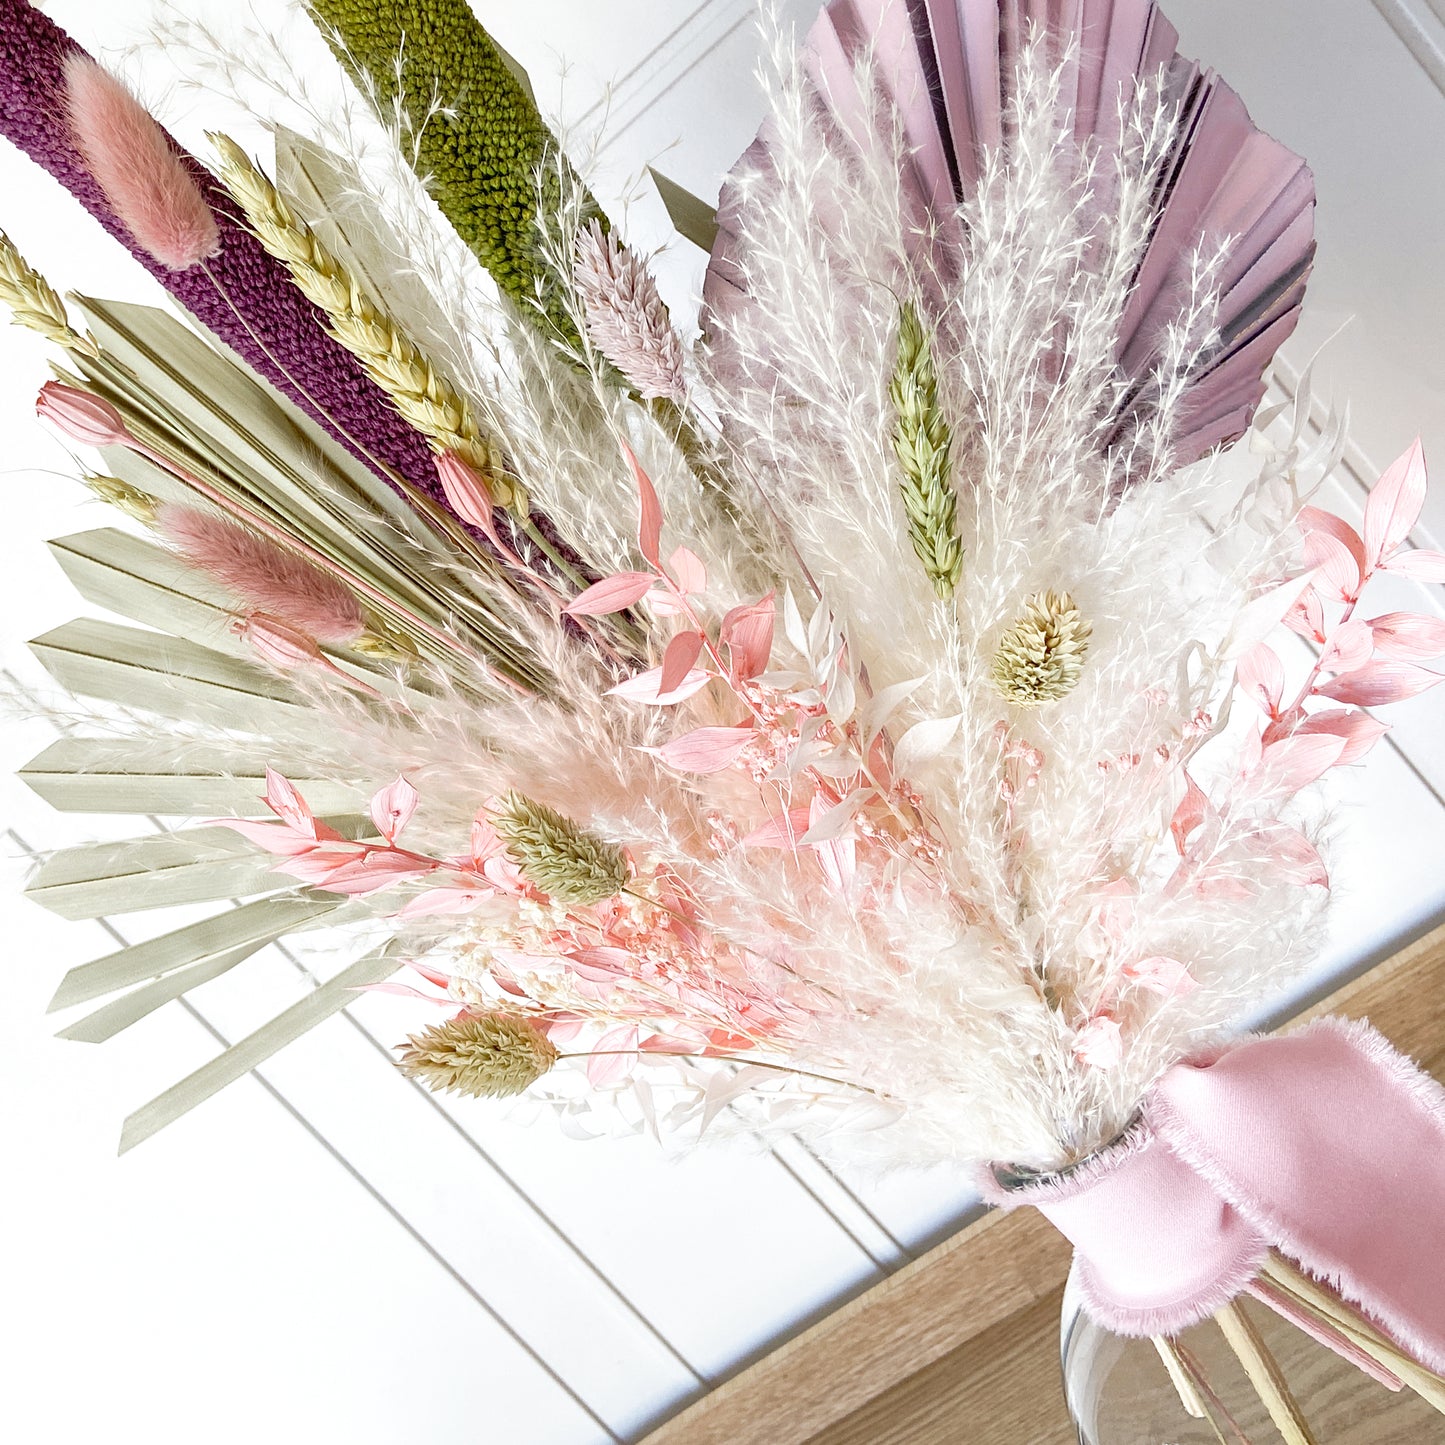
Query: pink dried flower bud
{"points": [[81, 415], [278, 644], [1099, 1043], [465, 491], [287, 648]]}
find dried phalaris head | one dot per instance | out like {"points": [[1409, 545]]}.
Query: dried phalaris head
{"points": [[1040, 658], [481, 1054], [566, 862]]}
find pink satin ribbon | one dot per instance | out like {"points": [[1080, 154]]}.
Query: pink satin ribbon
{"points": [[1326, 1145]]}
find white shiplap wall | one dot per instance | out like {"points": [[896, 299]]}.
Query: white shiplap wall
{"points": [[326, 1252]]}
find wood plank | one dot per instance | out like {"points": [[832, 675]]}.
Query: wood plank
{"points": [[962, 1344]]}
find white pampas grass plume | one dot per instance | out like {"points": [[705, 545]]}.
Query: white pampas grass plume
{"points": [[626, 318], [263, 576], [145, 181]]}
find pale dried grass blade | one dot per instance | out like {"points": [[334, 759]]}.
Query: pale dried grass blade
{"points": [[192, 866], [120, 775], [1264, 1374], [130, 1008], [169, 676], [255, 923], [257, 1047]]}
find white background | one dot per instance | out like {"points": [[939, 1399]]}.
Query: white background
{"points": [[330, 1255]]}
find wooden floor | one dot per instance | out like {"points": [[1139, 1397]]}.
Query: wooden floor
{"points": [[962, 1346]]}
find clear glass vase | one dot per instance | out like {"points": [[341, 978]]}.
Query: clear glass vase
{"points": [[1120, 1392]]}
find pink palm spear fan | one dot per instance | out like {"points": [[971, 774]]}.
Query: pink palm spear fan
{"points": [[949, 71]]}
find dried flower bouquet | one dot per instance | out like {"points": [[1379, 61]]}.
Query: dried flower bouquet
{"points": [[879, 716]]}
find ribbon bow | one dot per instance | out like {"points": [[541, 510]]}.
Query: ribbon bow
{"points": [[1326, 1145]]}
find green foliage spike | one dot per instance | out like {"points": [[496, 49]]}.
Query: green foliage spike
{"points": [[921, 437], [476, 135]]}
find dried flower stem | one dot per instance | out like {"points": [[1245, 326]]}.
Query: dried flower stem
{"points": [[1319, 1301], [1179, 1377], [442, 519], [285, 539], [266, 578], [388, 355], [1264, 1374], [726, 1059]]}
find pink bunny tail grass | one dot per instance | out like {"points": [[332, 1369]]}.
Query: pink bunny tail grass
{"points": [[136, 166], [263, 576]]}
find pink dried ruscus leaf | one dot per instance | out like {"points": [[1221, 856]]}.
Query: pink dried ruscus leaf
{"points": [[1393, 506]]}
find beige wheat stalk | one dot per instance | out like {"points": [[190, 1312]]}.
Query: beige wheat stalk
{"points": [[33, 302], [418, 391], [921, 438], [130, 500]]}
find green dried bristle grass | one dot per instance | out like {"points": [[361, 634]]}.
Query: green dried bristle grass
{"points": [[484, 1055], [1040, 658], [476, 136], [921, 438], [567, 863]]}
